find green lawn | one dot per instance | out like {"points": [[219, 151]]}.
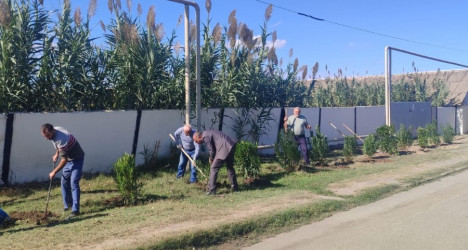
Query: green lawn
{"points": [[175, 214]]}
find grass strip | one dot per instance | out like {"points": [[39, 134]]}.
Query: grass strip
{"points": [[290, 218]]}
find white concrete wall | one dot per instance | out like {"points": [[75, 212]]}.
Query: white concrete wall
{"points": [[368, 119], [209, 119], [104, 136], [269, 138], [462, 119], [337, 116], [155, 125], [416, 114], [271, 127], [446, 116], [228, 122]]}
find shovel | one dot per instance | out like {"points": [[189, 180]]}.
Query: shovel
{"points": [[48, 193], [188, 156]]}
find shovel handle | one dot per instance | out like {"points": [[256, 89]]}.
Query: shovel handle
{"points": [[188, 156], [48, 197]]}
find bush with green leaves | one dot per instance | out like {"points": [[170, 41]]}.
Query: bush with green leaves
{"points": [[286, 151], [370, 145], [423, 139], [433, 134], [404, 137], [246, 159], [448, 133], [126, 176], [349, 148], [320, 148], [387, 140]]}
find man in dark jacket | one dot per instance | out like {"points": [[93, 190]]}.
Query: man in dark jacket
{"points": [[222, 149]]}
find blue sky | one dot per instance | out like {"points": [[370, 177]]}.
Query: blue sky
{"points": [[432, 28]]}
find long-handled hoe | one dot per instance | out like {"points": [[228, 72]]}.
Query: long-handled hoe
{"points": [[48, 193]]}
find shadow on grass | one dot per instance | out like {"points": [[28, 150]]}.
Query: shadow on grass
{"points": [[405, 152], [55, 223], [99, 191], [27, 189], [274, 176], [149, 198], [95, 206]]}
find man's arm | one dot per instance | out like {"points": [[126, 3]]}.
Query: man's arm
{"points": [[197, 150], [211, 148], [55, 156], [62, 163], [285, 124], [177, 134], [306, 124]]}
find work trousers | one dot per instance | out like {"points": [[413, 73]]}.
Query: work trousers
{"points": [[214, 169], [183, 164], [301, 141], [70, 184]]}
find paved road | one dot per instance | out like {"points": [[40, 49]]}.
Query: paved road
{"points": [[432, 216]]}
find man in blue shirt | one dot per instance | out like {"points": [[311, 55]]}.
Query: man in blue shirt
{"points": [[184, 139]]}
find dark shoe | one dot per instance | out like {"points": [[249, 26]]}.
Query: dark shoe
{"points": [[73, 214], [234, 189], [67, 207]]}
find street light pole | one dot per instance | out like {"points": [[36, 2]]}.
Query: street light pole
{"points": [[187, 63]]}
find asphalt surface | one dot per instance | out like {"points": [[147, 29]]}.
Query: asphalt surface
{"points": [[431, 216]]}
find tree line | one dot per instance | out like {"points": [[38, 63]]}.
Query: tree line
{"points": [[51, 64]]}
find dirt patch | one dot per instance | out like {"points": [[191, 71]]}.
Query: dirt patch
{"points": [[34, 217], [354, 187], [257, 182], [113, 202], [200, 185]]}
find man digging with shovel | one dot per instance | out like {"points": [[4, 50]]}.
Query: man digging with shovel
{"points": [[184, 140], [71, 161], [222, 149]]}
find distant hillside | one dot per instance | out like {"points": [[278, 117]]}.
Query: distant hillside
{"points": [[455, 80]]}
